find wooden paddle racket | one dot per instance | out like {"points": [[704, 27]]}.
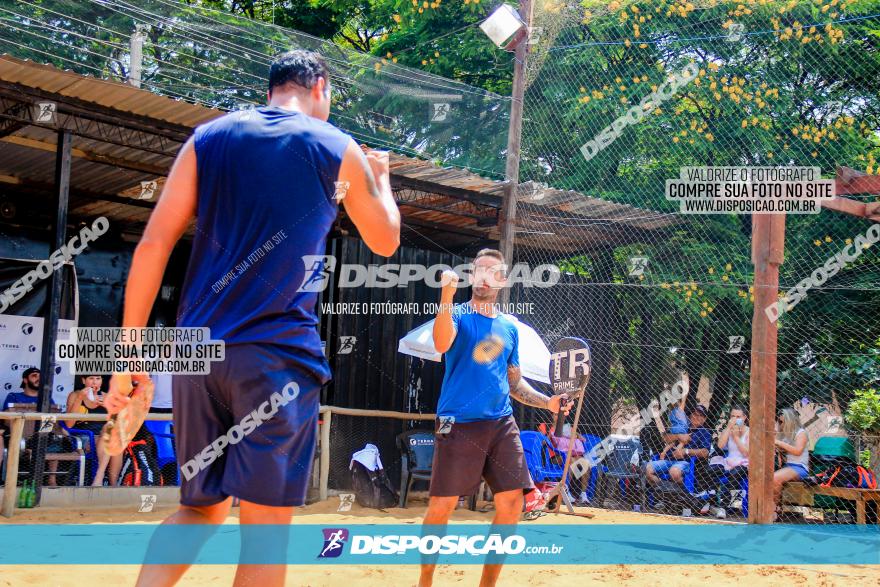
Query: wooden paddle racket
{"points": [[122, 426], [570, 368]]}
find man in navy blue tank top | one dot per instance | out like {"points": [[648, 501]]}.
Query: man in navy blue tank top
{"points": [[263, 186]]}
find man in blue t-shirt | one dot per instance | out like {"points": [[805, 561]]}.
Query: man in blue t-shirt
{"points": [[476, 435], [264, 187], [680, 464], [30, 394]]}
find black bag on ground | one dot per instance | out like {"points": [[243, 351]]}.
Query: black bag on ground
{"points": [[372, 487], [674, 496], [139, 463]]}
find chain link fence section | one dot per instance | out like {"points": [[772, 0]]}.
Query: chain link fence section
{"points": [[658, 293]]}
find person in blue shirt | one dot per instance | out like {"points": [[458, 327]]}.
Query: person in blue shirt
{"points": [[30, 394], [264, 187], [698, 445], [475, 433]]}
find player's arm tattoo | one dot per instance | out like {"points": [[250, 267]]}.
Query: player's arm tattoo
{"points": [[521, 391]]}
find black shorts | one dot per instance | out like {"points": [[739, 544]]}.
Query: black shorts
{"points": [[268, 463], [490, 449]]}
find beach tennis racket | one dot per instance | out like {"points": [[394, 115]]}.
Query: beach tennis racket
{"points": [[122, 426], [570, 366]]}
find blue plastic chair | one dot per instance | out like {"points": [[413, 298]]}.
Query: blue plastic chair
{"points": [[416, 459], [92, 457], [743, 486], [537, 451], [161, 431]]}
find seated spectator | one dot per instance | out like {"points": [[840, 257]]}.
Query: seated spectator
{"points": [[791, 442], [30, 394], [679, 465], [734, 440], [577, 487], [90, 400]]}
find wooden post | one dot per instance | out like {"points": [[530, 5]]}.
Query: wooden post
{"points": [[9, 492], [325, 455], [514, 135], [768, 246]]}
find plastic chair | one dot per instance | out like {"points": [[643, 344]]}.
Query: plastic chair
{"points": [[92, 457], [165, 455], [416, 457], [725, 480], [620, 468], [537, 452]]}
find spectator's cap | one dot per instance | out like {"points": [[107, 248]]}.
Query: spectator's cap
{"points": [[27, 373], [699, 409]]}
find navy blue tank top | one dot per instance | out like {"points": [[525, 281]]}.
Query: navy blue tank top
{"points": [[266, 200]]}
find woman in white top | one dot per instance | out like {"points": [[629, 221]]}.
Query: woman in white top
{"points": [[735, 440], [792, 441]]}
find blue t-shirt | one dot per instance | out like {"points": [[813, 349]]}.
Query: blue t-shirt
{"points": [[20, 397], [265, 204], [700, 438], [475, 391]]}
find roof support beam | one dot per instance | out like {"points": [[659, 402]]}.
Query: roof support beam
{"points": [[89, 156]]}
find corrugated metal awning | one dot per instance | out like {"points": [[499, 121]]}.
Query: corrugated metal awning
{"points": [[125, 140]]}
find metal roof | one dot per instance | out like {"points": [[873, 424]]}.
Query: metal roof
{"points": [[123, 136], [108, 93]]}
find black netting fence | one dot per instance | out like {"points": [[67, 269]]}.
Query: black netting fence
{"points": [[622, 98], [662, 294]]}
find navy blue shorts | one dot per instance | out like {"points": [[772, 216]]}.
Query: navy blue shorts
{"points": [[248, 429]]}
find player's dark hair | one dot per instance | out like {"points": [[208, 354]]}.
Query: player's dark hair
{"points": [[300, 67], [490, 253]]}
